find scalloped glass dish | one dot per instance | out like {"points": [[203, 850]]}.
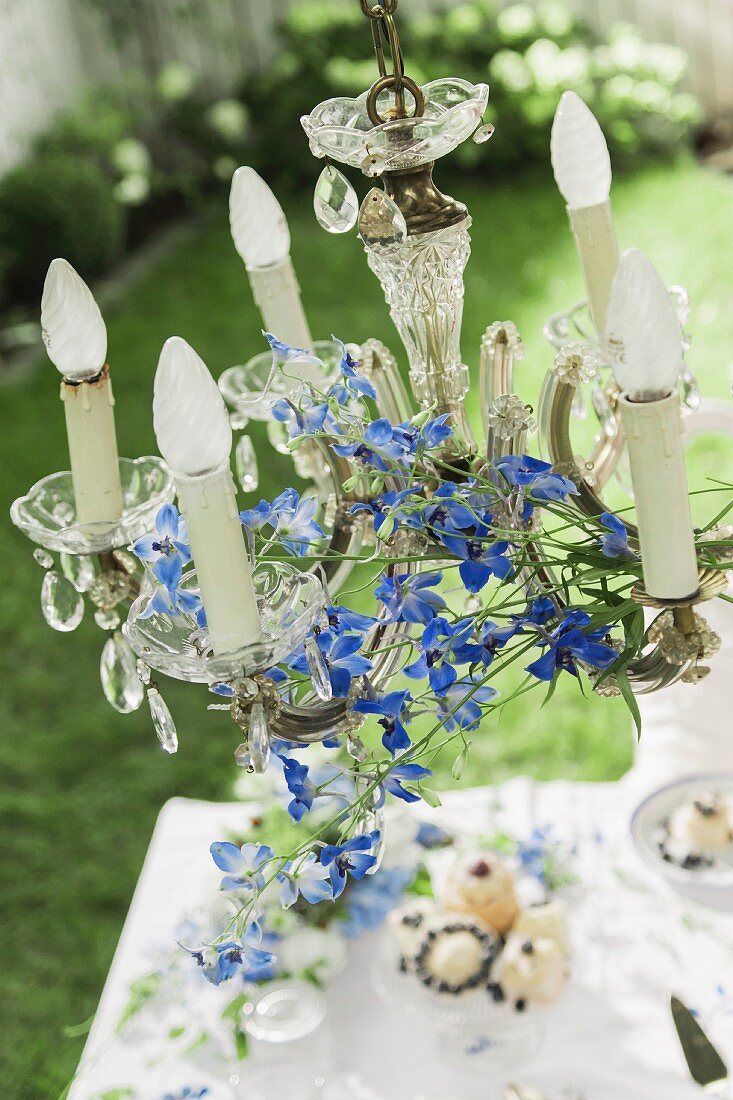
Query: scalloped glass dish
{"points": [[341, 128], [47, 513], [244, 387], [475, 1033], [576, 327], [290, 603]]}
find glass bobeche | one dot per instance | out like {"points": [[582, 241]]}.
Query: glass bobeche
{"points": [[245, 388], [342, 129], [47, 513], [290, 602]]}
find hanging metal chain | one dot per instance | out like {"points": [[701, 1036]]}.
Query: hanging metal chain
{"points": [[381, 15]]}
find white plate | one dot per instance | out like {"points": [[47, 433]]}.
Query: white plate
{"points": [[712, 884]]}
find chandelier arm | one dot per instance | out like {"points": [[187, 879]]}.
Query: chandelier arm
{"points": [[381, 368], [556, 404]]}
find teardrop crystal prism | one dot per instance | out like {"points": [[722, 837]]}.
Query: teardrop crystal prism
{"points": [[483, 133], [334, 201], [277, 436], [118, 673], [164, 725], [43, 558], [374, 165], [61, 604], [259, 738], [382, 224], [689, 390], [604, 412], [245, 463], [370, 817], [318, 670], [78, 569]]}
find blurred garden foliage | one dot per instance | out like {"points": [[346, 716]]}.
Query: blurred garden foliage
{"points": [[127, 158]]}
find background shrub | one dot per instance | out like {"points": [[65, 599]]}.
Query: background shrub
{"points": [[56, 205]]}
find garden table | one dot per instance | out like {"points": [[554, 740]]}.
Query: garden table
{"points": [[609, 1038]]}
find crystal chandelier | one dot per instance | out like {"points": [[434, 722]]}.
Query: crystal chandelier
{"points": [[395, 478]]}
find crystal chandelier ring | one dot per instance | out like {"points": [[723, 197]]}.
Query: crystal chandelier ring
{"points": [[398, 83]]}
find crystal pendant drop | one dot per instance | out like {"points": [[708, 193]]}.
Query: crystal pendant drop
{"points": [[78, 569], [334, 201], [689, 390], [277, 436], [381, 222], [61, 604], [374, 165], [43, 558], [318, 670], [118, 673], [245, 463], [483, 133], [371, 817], [259, 738], [164, 725]]}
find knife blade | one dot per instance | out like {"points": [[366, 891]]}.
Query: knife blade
{"points": [[703, 1061]]}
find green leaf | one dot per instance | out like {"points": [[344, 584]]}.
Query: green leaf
{"points": [[74, 1031], [622, 677], [241, 1043], [234, 1007]]}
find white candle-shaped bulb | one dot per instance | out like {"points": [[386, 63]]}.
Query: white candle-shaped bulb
{"points": [[643, 328], [262, 238], [582, 170], [189, 415], [579, 153], [647, 338], [259, 227], [76, 340], [195, 438]]}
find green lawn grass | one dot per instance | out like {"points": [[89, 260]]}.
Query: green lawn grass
{"points": [[81, 785]]}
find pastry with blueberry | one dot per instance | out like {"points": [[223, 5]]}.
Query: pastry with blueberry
{"points": [[407, 925], [482, 885], [547, 919], [531, 969]]}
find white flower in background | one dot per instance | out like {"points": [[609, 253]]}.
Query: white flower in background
{"points": [[132, 190], [130, 157], [175, 81], [229, 118]]}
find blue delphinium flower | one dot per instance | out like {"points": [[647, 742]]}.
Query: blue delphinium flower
{"points": [[493, 638], [373, 898], [405, 773], [286, 353], [461, 705], [377, 447], [532, 853], [391, 505], [222, 962], [169, 598], [254, 519], [169, 543], [260, 965], [407, 598], [432, 836], [307, 878], [392, 707], [569, 643], [616, 543], [242, 865], [483, 557], [341, 657], [354, 857], [301, 787], [535, 476], [446, 511], [352, 384], [441, 643], [342, 619], [293, 521], [306, 418]]}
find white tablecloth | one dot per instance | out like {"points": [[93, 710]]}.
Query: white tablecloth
{"points": [[610, 1038]]}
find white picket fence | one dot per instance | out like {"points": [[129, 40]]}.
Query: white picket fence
{"points": [[51, 49]]}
